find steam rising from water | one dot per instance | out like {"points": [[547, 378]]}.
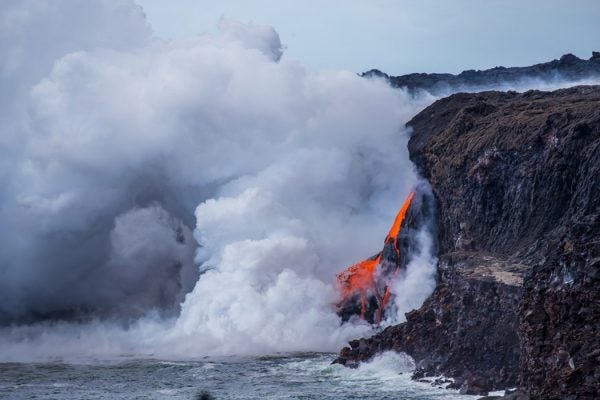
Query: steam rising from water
{"points": [[123, 144], [115, 146]]}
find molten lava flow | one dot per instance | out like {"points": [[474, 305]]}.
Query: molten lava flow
{"points": [[359, 282], [359, 278]]}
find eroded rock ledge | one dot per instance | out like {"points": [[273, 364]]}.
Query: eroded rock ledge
{"points": [[516, 177]]}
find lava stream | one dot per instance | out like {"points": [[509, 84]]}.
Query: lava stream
{"points": [[364, 285]]}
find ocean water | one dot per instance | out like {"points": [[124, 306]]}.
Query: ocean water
{"points": [[301, 376]]}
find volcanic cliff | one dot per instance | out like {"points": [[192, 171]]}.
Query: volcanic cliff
{"points": [[516, 179], [568, 67]]}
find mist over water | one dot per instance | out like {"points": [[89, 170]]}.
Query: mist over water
{"points": [[187, 198]]}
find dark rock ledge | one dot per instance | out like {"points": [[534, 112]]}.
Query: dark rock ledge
{"points": [[516, 178]]}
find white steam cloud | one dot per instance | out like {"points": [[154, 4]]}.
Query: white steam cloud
{"points": [[207, 185], [121, 144]]}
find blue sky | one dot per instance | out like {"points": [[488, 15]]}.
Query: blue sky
{"points": [[401, 36]]}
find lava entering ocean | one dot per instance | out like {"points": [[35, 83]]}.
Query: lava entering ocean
{"points": [[364, 286]]}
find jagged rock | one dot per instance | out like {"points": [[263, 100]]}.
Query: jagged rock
{"points": [[516, 180], [568, 67]]}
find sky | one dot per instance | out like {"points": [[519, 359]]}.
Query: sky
{"points": [[401, 36]]}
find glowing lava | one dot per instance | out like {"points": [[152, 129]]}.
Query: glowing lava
{"points": [[363, 285]]}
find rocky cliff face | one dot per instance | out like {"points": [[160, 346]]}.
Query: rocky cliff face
{"points": [[516, 178], [568, 67]]}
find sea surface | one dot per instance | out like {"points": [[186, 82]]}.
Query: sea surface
{"points": [[301, 376]]}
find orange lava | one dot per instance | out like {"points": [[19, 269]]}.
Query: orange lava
{"points": [[360, 278], [395, 230]]}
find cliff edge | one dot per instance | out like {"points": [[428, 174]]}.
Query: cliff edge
{"points": [[516, 178]]}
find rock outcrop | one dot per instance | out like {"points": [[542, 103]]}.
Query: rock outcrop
{"points": [[516, 178], [568, 67], [467, 329]]}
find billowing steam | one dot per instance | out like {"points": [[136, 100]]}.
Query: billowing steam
{"points": [[118, 145], [190, 197]]}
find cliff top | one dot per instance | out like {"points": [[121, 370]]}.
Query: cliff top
{"points": [[525, 165]]}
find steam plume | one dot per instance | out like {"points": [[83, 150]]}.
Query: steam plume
{"points": [[208, 186]]}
